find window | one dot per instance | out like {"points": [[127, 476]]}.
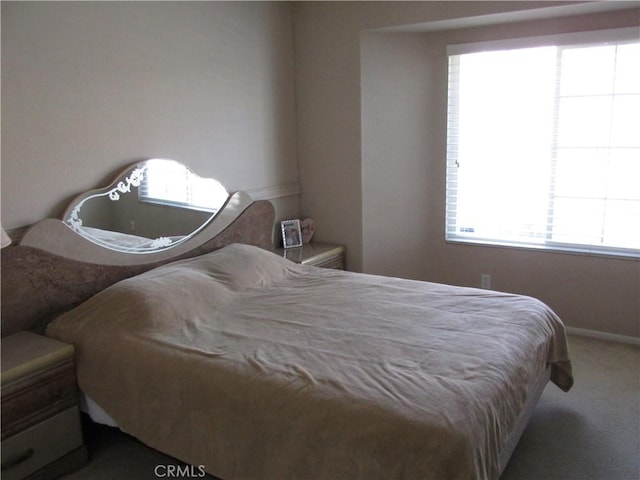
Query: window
{"points": [[543, 144]]}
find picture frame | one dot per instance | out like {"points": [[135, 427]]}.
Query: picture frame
{"points": [[291, 233]]}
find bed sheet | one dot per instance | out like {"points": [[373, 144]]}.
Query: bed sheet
{"points": [[256, 367]]}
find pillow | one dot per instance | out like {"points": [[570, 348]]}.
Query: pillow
{"points": [[192, 288]]}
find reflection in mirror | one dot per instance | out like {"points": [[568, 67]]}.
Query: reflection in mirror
{"points": [[153, 205]]}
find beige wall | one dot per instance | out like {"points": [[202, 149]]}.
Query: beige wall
{"points": [[372, 143], [89, 87], [398, 125]]}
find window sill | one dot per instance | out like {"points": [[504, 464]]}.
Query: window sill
{"points": [[618, 254]]}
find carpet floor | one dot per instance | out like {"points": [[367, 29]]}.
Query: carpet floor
{"points": [[591, 432]]}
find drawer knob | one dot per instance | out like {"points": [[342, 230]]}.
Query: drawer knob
{"points": [[17, 460]]}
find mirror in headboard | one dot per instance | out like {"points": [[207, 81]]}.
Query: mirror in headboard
{"points": [[152, 205]]}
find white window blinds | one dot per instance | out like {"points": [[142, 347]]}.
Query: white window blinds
{"points": [[543, 146], [169, 183]]}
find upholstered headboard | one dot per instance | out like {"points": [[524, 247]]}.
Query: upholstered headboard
{"points": [[38, 285]]}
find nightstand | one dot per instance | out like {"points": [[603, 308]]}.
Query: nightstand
{"points": [[318, 254], [41, 430]]}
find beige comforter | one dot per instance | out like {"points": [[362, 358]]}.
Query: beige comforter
{"points": [[255, 367]]}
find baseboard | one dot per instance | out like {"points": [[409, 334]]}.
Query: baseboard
{"points": [[583, 332]]}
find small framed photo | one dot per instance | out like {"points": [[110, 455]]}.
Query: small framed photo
{"points": [[291, 233]]}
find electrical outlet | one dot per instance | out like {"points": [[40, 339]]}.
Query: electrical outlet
{"points": [[485, 281]]}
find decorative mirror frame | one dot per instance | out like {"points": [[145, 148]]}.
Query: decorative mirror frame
{"points": [[54, 236], [65, 237], [134, 176]]}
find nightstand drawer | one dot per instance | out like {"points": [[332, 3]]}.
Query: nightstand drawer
{"points": [[29, 400], [42, 444], [336, 262]]}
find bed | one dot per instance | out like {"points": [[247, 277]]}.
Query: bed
{"points": [[231, 357]]}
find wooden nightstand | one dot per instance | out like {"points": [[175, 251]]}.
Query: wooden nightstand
{"points": [[41, 430], [318, 254]]}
